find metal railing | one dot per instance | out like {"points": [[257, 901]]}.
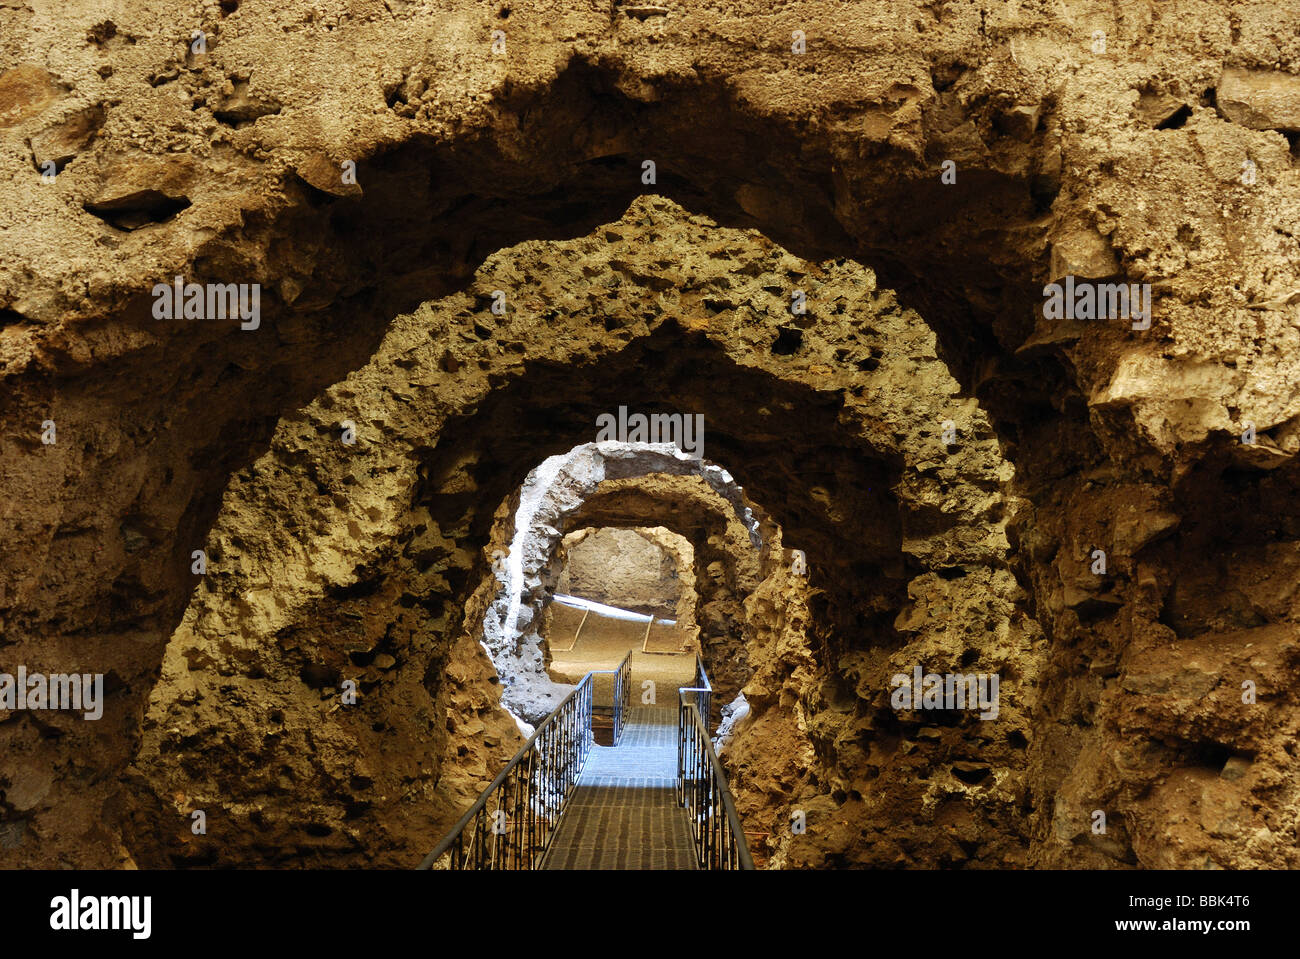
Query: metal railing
{"points": [[512, 822], [616, 711], [702, 785], [622, 695], [701, 692]]}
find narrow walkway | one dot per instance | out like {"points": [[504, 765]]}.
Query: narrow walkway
{"points": [[623, 813]]}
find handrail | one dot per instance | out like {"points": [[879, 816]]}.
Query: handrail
{"points": [[622, 695], [533, 787], [622, 691], [702, 689], [702, 785]]}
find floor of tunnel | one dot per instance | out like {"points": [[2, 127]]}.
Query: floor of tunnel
{"points": [[605, 641]]}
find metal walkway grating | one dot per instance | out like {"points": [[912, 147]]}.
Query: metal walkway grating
{"points": [[623, 813]]}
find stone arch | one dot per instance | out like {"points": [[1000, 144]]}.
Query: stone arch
{"points": [[602, 484], [726, 572], [444, 431], [557, 496]]}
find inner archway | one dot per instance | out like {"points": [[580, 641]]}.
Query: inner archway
{"points": [[623, 591], [619, 485], [840, 439]]}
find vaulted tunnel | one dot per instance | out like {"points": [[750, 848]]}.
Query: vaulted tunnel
{"points": [[783, 442], [846, 457], [720, 545], [189, 454], [732, 542]]}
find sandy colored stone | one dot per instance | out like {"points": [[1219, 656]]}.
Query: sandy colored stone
{"points": [[817, 171], [1260, 99]]}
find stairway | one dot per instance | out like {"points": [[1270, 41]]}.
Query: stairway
{"points": [[623, 813]]}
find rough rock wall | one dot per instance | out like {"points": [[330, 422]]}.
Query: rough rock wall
{"points": [[830, 773], [681, 556], [620, 568], [1128, 155], [728, 571]]}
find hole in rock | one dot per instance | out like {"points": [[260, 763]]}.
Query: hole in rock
{"points": [[1176, 119], [788, 341], [139, 209]]}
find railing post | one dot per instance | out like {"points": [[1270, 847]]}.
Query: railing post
{"points": [[702, 790]]}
